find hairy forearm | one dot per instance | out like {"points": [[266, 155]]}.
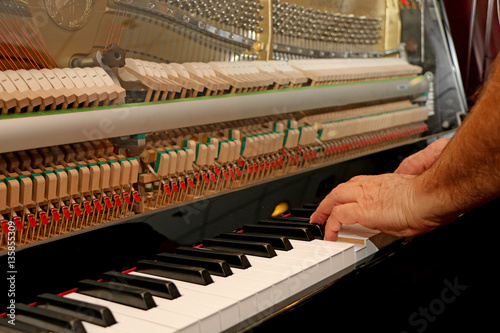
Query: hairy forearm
{"points": [[467, 173]]}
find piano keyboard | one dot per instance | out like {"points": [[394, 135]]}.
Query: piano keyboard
{"points": [[227, 283]]}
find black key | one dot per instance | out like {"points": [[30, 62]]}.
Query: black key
{"points": [[302, 212], [234, 259], [299, 233], [317, 230], [19, 327], [250, 248], [278, 242], [92, 313], [157, 287], [118, 293], [191, 274], [310, 205], [213, 266], [291, 218], [48, 319]]}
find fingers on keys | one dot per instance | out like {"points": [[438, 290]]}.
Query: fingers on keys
{"points": [[339, 207]]}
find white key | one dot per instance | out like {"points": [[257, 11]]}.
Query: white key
{"points": [[280, 283], [225, 308], [124, 323], [295, 270], [299, 270], [92, 328], [261, 289], [342, 255], [287, 277], [206, 315], [167, 321], [245, 299], [317, 265]]}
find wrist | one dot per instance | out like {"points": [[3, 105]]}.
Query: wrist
{"points": [[437, 199]]}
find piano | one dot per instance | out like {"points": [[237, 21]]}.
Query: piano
{"points": [[160, 160]]}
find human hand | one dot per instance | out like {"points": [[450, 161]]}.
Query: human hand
{"points": [[419, 162], [391, 203]]}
